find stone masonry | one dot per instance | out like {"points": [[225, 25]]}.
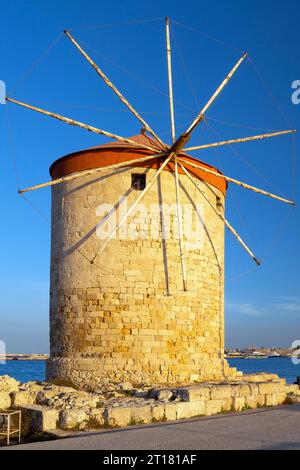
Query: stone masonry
{"points": [[126, 317]]}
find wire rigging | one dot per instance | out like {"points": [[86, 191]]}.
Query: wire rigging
{"points": [[165, 94], [207, 36], [12, 154], [36, 62], [112, 25]]}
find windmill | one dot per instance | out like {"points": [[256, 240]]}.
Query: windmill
{"points": [[153, 153]]}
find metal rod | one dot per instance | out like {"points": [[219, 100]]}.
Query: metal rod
{"points": [[170, 79], [112, 87], [81, 124], [228, 225], [179, 219], [214, 96], [239, 183], [236, 141], [132, 207], [76, 175]]}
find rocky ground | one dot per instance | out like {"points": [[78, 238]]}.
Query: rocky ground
{"points": [[46, 406]]}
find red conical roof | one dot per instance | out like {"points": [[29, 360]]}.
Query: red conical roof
{"points": [[119, 152]]}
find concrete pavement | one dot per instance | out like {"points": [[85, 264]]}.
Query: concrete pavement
{"points": [[269, 428]]}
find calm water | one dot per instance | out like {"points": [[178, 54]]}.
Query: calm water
{"points": [[24, 370], [283, 366]]}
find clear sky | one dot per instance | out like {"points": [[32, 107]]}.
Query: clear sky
{"points": [[262, 304]]}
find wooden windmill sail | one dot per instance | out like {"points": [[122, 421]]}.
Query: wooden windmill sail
{"points": [[166, 153]]}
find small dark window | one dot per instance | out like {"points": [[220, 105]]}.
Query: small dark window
{"points": [[219, 203], [138, 181]]}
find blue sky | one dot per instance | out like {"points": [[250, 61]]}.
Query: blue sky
{"points": [[262, 304]]}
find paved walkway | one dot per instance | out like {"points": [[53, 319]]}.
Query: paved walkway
{"points": [[270, 428]]}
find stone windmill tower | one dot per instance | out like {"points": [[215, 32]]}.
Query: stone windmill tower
{"points": [[137, 255]]}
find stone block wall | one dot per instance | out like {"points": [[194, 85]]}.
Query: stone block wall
{"points": [[126, 317]]}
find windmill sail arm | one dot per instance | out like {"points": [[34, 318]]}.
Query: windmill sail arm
{"points": [[80, 174], [179, 221], [113, 87], [132, 207], [170, 80], [81, 124], [237, 182], [243, 139], [228, 225], [215, 95]]}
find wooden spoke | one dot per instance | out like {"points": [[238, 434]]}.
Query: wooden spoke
{"points": [[237, 141], [80, 124], [239, 183], [80, 174], [113, 87], [170, 79], [179, 219], [228, 225], [214, 96], [133, 206]]}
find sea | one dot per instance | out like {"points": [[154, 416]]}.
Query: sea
{"points": [[282, 366]]}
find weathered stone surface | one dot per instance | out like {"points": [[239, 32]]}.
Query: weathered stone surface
{"points": [[8, 384], [23, 398], [158, 412], [190, 409], [170, 411], [213, 407], [96, 417], [243, 390], [39, 419], [251, 401], [292, 388], [220, 392], [5, 400], [238, 403], [260, 400], [201, 392], [161, 394], [141, 414], [82, 410], [227, 404], [113, 321], [118, 416], [31, 386], [126, 386], [268, 387], [72, 419]]}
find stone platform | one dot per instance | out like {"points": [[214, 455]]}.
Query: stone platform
{"points": [[47, 406]]}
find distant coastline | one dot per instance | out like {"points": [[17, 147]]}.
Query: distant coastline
{"points": [[23, 357]]}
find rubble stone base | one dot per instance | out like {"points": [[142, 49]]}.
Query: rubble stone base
{"points": [[158, 404]]}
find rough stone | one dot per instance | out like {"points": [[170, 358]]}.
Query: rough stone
{"points": [[213, 407], [5, 400], [220, 392], [23, 398], [8, 384], [96, 417], [190, 409], [158, 412], [141, 414], [39, 419], [201, 392], [126, 386], [113, 322], [72, 419], [118, 416], [161, 394], [238, 403], [170, 411]]}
